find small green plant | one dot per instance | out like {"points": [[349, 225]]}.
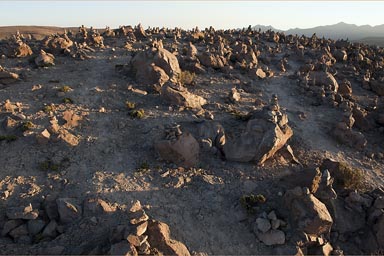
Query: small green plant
{"points": [[142, 169], [65, 88], [49, 108], [27, 126], [67, 101], [248, 202], [8, 138], [348, 177], [187, 78], [48, 165], [130, 105], [137, 113]]}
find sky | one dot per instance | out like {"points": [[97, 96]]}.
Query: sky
{"points": [[188, 14]]}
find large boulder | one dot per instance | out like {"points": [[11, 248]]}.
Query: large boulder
{"points": [[183, 151], [155, 66], [307, 213], [263, 137], [320, 78], [212, 60], [178, 95]]}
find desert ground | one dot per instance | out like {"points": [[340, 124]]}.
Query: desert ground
{"points": [[237, 142]]}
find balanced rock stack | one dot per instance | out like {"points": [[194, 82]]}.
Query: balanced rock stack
{"points": [[143, 236]]}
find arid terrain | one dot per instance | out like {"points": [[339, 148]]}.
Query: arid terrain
{"points": [[238, 142]]}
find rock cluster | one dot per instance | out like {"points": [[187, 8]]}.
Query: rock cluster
{"points": [[145, 236]]}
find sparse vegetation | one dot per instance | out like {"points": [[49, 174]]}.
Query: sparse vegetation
{"points": [[49, 165], [65, 88], [67, 101], [27, 126], [8, 138], [137, 113], [348, 177], [142, 169], [187, 78], [248, 202], [130, 105]]}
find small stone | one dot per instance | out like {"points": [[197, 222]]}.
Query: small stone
{"points": [[275, 224], [144, 248], [272, 215], [136, 206], [136, 240], [140, 229], [138, 217], [263, 224], [306, 191]]}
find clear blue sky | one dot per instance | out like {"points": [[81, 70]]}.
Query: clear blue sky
{"points": [[188, 14]]}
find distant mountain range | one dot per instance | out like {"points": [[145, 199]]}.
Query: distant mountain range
{"points": [[366, 33]]}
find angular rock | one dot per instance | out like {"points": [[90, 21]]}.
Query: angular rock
{"points": [[136, 240], [68, 137], [308, 214], [211, 60], [43, 137], [272, 237], [180, 96], [159, 237], [45, 59], [136, 206], [141, 228], [320, 78], [68, 210], [234, 95], [257, 145], [7, 77], [263, 224], [9, 225], [155, 66], [72, 120], [35, 226], [50, 230], [19, 231], [184, 151], [138, 217], [96, 206], [22, 50]]}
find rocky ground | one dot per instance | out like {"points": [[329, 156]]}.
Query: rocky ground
{"points": [[230, 142]]}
